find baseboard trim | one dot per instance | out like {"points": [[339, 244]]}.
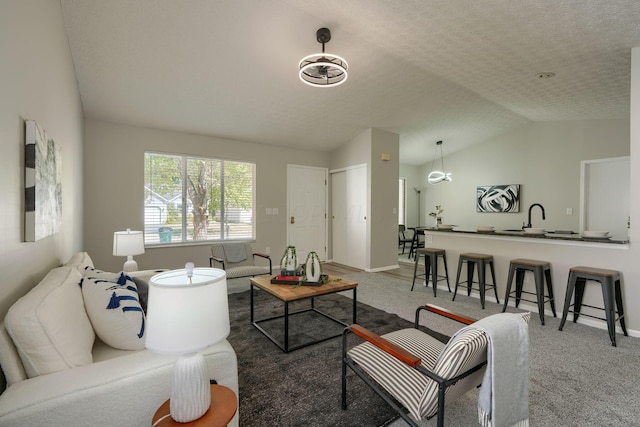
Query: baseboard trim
{"points": [[548, 313], [378, 269]]}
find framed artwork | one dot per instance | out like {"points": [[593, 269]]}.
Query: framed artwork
{"points": [[498, 198], [42, 184]]}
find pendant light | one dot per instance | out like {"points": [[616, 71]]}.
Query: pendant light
{"points": [[437, 176], [323, 69]]}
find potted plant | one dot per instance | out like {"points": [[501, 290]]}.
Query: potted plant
{"points": [[436, 215]]}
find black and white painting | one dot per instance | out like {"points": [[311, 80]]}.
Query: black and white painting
{"points": [[498, 198], [42, 184]]}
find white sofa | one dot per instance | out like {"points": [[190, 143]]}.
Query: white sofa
{"points": [[107, 387]]}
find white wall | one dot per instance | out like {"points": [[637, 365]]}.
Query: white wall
{"points": [[382, 190], [543, 157], [413, 176], [114, 182], [632, 273], [384, 200], [37, 81]]}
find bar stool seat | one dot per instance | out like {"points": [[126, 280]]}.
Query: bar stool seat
{"points": [[611, 293], [431, 264], [481, 260], [541, 270]]}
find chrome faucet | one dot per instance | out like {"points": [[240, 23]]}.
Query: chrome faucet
{"points": [[530, 208]]}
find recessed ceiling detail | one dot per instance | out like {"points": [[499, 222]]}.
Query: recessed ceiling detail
{"points": [[546, 75]]}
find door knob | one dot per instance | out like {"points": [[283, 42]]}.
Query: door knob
{"points": [[293, 220]]}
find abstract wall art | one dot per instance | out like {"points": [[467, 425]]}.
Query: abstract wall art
{"points": [[42, 184], [498, 198]]}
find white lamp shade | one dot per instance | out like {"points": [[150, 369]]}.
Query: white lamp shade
{"points": [[127, 243], [185, 315]]}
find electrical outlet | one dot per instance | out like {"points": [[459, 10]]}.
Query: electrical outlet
{"points": [[569, 211], [267, 250], [429, 238]]}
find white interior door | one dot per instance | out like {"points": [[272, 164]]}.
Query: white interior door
{"points": [[606, 186], [349, 216], [338, 217], [307, 210]]}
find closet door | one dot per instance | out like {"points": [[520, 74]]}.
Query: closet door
{"points": [[349, 216]]}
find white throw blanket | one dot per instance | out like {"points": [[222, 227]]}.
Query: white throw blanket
{"points": [[234, 252], [504, 396]]}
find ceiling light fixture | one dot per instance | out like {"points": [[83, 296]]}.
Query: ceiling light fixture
{"points": [[437, 176], [323, 69]]}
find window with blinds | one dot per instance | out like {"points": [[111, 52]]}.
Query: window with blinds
{"points": [[188, 199]]}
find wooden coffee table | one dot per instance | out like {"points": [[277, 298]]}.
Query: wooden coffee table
{"points": [[290, 293]]}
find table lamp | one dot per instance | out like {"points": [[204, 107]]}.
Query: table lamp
{"points": [[128, 243], [187, 311]]}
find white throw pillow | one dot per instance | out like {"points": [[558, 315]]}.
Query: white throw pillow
{"points": [[49, 325], [80, 261], [114, 309]]}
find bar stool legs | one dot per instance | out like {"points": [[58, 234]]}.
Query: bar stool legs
{"points": [[481, 260], [431, 264], [611, 294], [541, 270]]}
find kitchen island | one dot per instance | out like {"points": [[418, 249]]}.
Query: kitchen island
{"points": [[547, 235], [563, 251]]}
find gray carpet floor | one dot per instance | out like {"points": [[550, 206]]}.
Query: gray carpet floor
{"points": [[576, 377]]}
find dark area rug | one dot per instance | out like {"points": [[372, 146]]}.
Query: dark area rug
{"points": [[302, 388]]}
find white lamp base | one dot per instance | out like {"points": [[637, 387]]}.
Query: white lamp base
{"points": [[130, 265], [190, 391]]}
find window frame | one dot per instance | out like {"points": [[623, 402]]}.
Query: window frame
{"points": [[184, 239]]}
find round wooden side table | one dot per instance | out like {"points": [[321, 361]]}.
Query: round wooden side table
{"points": [[224, 405]]}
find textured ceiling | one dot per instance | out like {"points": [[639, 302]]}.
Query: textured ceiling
{"points": [[460, 71]]}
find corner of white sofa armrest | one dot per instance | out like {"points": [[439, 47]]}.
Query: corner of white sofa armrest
{"points": [[10, 359], [125, 390]]}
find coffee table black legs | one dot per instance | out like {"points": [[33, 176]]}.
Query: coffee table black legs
{"points": [[284, 343]]}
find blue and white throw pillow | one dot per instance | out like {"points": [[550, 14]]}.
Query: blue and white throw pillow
{"points": [[94, 273], [113, 306]]}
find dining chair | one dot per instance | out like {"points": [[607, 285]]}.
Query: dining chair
{"points": [[403, 240]]}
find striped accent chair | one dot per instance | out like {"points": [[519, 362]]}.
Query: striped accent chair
{"points": [[241, 266], [413, 371]]}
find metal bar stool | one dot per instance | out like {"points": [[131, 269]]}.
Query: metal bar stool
{"points": [[611, 291], [431, 263], [541, 270], [482, 260]]}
